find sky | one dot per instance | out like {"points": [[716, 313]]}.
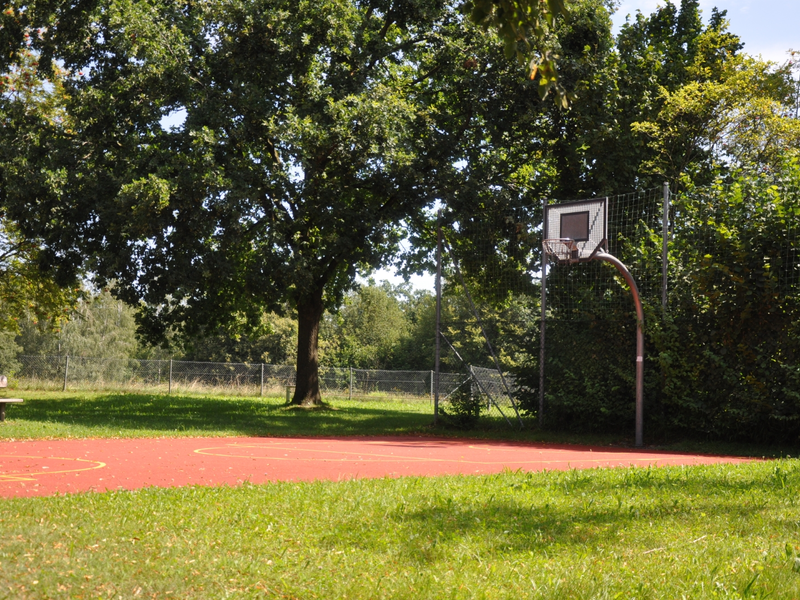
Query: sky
{"points": [[767, 27]]}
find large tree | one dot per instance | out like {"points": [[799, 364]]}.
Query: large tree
{"points": [[310, 132]]}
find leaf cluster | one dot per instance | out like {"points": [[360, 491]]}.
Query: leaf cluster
{"points": [[526, 28]]}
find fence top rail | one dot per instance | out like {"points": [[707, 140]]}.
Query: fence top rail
{"points": [[421, 375], [150, 360], [487, 370], [228, 364], [395, 371]]}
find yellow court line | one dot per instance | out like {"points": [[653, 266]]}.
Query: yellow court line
{"points": [[12, 478], [31, 476], [380, 457], [428, 444], [400, 458]]}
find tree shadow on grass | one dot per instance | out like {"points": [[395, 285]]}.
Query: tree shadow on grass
{"points": [[585, 509], [154, 415]]}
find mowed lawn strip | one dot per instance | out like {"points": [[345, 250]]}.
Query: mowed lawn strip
{"points": [[92, 414], [131, 415], [718, 531]]}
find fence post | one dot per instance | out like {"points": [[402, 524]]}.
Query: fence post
{"points": [[262, 379], [66, 372], [437, 342], [431, 386], [170, 376], [542, 323], [664, 248], [351, 383]]}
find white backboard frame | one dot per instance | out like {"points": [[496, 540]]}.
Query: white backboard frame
{"points": [[585, 222]]}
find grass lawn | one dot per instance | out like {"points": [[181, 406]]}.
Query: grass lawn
{"points": [[49, 414], [118, 414], [718, 531]]}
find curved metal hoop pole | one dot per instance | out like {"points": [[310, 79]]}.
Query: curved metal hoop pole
{"points": [[639, 341]]}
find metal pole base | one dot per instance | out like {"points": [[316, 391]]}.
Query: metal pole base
{"points": [[639, 342]]}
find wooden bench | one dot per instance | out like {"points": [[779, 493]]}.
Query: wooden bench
{"points": [[4, 401]]}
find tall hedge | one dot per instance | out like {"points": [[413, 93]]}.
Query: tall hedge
{"points": [[729, 346]]}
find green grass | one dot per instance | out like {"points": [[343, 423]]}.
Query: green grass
{"points": [[721, 531], [85, 414], [98, 414]]}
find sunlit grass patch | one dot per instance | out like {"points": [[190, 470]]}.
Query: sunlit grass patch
{"points": [[719, 531]]}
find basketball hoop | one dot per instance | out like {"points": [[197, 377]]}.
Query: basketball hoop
{"points": [[564, 251], [576, 232]]}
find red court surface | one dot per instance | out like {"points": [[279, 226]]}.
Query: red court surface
{"points": [[42, 468]]}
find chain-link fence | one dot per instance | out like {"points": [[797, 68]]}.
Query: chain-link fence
{"points": [[69, 372]]}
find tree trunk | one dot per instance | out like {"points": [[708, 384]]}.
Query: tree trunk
{"points": [[309, 316]]}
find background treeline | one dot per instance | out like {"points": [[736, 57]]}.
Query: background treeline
{"points": [[378, 326]]}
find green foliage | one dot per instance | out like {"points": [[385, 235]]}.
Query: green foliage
{"points": [[9, 350], [463, 408], [25, 292], [729, 349], [738, 121], [376, 327], [671, 97], [102, 326], [510, 326], [366, 331], [273, 342], [504, 157], [722, 361], [589, 375], [526, 29], [99, 326], [692, 105], [416, 350]]}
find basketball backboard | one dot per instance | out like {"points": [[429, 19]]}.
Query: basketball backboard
{"points": [[576, 231]]}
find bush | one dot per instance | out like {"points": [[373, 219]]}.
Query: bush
{"points": [[463, 408]]}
